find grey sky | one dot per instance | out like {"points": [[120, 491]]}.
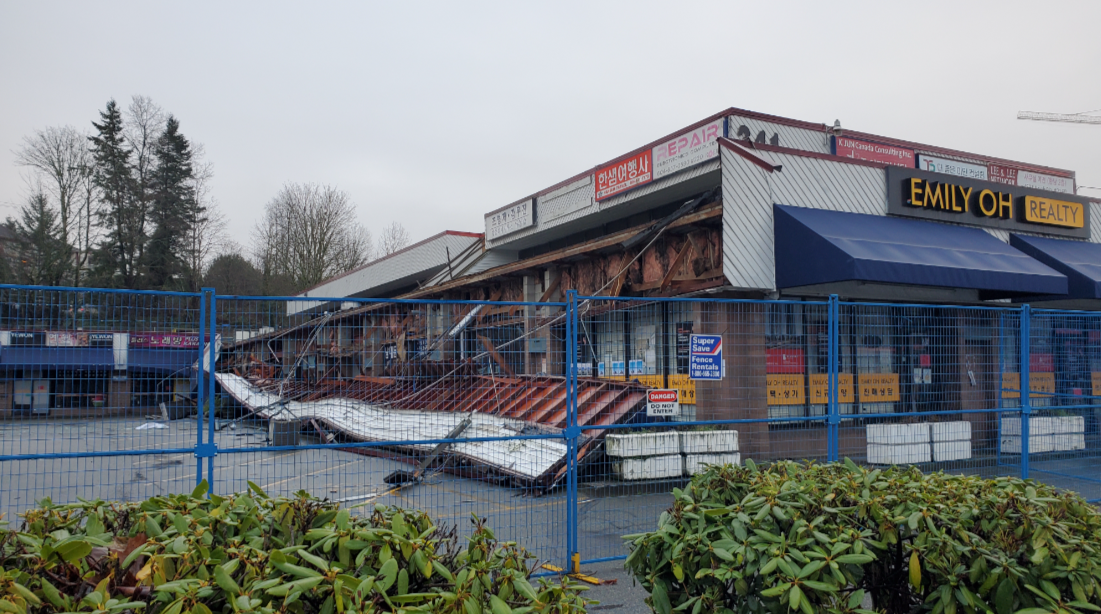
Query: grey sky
{"points": [[433, 114]]}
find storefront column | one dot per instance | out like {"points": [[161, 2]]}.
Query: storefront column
{"points": [[742, 393], [977, 380], [118, 394]]}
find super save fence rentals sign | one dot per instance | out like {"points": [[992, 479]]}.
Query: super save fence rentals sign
{"points": [[706, 357], [662, 403]]}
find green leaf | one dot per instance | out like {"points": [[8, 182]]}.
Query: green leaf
{"points": [[776, 591], [200, 490], [661, 599], [314, 560], [820, 586], [75, 550], [225, 582], [794, 597], [856, 599], [1003, 598], [915, 570], [498, 605], [855, 559], [387, 574]]}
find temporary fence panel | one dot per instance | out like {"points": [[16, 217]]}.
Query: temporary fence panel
{"points": [[454, 407], [1065, 380], [566, 424], [724, 381], [97, 390]]}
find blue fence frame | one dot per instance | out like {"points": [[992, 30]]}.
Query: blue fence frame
{"points": [[206, 448]]}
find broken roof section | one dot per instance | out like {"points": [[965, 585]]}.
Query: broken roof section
{"points": [[402, 271], [401, 410]]}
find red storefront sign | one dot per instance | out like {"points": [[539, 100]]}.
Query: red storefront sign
{"points": [[1041, 363], [163, 340], [874, 152], [624, 175], [1002, 174], [783, 360]]}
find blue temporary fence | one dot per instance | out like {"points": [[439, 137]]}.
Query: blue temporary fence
{"points": [[533, 415]]}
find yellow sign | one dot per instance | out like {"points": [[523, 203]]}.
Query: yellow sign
{"points": [[1095, 377], [786, 389], [878, 387], [1039, 385], [820, 388], [1041, 210], [650, 381], [686, 386]]}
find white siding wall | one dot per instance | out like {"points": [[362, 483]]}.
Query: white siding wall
{"points": [[748, 195], [789, 136]]}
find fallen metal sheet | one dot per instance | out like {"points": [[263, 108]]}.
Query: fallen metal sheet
{"points": [[532, 460]]}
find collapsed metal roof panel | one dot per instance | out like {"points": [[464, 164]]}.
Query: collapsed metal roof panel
{"points": [[411, 409]]}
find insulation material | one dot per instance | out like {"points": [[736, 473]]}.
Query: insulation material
{"points": [[697, 463], [650, 468], [703, 442], [642, 444]]}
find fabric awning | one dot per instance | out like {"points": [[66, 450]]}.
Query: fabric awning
{"points": [[1080, 261], [815, 246]]}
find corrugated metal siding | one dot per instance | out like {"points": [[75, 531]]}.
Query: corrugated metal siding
{"points": [[1095, 222], [423, 258], [563, 205], [789, 136], [748, 195]]}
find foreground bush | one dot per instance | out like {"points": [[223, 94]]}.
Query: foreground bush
{"points": [[251, 553], [818, 538]]}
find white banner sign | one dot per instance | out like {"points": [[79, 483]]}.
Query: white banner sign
{"points": [[1028, 179], [688, 149], [951, 167], [507, 221]]}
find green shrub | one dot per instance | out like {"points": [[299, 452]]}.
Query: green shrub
{"points": [[251, 553], [818, 538]]}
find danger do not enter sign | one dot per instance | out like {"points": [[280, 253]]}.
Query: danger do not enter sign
{"points": [[663, 403]]}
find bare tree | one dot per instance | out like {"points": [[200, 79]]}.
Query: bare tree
{"points": [[207, 236], [309, 233], [393, 238], [62, 165]]}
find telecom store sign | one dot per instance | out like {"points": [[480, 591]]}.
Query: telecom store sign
{"points": [[705, 357]]}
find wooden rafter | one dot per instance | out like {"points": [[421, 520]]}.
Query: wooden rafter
{"points": [[488, 345]]}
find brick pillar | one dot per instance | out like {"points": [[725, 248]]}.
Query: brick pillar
{"points": [[118, 396], [742, 393], [978, 358]]}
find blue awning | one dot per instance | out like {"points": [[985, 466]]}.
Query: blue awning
{"points": [[1080, 261], [814, 246]]}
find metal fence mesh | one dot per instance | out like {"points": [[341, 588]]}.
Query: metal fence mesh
{"points": [[551, 419]]}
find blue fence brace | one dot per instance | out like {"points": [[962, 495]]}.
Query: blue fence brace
{"points": [[1026, 403]]}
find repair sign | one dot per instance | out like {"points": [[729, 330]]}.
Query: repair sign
{"points": [[663, 403]]}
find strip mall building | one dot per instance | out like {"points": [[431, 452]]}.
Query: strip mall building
{"points": [[752, 206]]}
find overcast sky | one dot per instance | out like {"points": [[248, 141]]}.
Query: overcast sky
{"points": [[433, 114]]}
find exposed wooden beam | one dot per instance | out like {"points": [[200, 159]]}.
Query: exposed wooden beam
{"points": [[706, 212], [552, 288], [674, 266], [488, 345]]}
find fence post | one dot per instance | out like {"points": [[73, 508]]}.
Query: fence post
{"points": [[1026, 389], [208, 449], [832, 418], [201, 397], [572, 433]]}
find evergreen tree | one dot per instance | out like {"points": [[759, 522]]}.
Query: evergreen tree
{"points": [[116, 260], [174, 209], [43, 256]]}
